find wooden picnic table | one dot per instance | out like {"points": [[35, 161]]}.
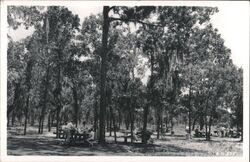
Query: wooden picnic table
{"points": [[136, 135], [75, 137]]}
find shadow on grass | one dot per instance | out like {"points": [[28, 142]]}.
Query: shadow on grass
{"points": [[220, 140], [51, 146], [169, 148], [175, 135]]}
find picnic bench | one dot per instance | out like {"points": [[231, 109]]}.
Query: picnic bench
{"points": [[127, 134], [76, 137], [199, 134]]}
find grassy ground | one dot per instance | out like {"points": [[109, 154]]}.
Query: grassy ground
{"points": [[177, 145]]}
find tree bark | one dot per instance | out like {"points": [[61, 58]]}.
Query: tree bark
{"points": [[76, 107], [40, 125], [114, 123], [26, 115], [201, 122], [44, 101], [110, 122], [58, 93], [32, 120], [209, 128], [13, 118], [105, 30], [158, 122], [146, 108], [172, 124], [12, 107], [95, 115], [189, 109], [107, 122], [52, 118], [241, 139], [114, 126], [28, 84], [206, 124], [119, 119], [145, 121], [49, 122], [194, 123], [131, 116]]}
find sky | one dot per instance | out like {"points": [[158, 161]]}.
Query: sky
{"points": [[231, 21]]}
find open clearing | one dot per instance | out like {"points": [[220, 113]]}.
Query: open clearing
{"points": [[177, 145]]}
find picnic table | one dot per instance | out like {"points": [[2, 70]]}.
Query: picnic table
{"points": [[199, 134], [127, 134], [75, 137]]}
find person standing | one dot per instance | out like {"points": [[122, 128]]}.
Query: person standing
{"points": [[69, 130]]}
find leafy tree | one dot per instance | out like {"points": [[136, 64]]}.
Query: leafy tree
{"points": [[24, 15], [126, 14], [62, 27]]}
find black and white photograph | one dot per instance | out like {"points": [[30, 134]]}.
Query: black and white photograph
{"points": [[155, 79]]}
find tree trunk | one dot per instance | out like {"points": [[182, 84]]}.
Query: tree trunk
{"points": [[206, 124], [8, 121], [58, 92], [26, 115], [158, 123], [13, 118], [107, 122], [114, 123], [52, 119], [44, 101], [40, 125], [127, 122], [209, 128], [189, 121], [119, 119], [146, 108], [241, 139], [105, 30], [114, 126], [201, 122], [57, 120], [145, 121], [131, 116], [172, 124], [166, 122], [28, 84], [110, 122], [161, 124], [12, 107], [32, 120], [194, 123], [49, 124], [132, 130], [95, 115], [207, 138], [75, 104], [189, 109]]}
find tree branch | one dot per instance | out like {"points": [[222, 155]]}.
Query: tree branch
{"points": [[135, 21], [111, 8]]}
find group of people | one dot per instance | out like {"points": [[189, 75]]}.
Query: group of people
{"points": [[226, 132], [219, 132], [70, 128]]}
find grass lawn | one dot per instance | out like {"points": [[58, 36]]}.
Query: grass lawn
{"points": [[177, 145]]}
